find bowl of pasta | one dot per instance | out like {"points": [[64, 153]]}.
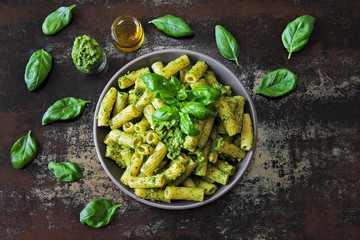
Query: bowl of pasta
{"points": [[175, 129]]}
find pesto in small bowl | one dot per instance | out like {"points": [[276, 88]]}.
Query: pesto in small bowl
{"points": [[88, 56]]}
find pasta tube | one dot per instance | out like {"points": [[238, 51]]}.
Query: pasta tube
{"points": [[152, 138], [175, 66], [158, 103], [132, 169], [145, 149], [247, 135], [205, 133], [239, 111], [106, 107], [188, 182], [129, 79], [122, 138], [229, 149], [184, 193], [151, 194], [227, 117], [173, 171], [196, 72], [148, 111], [201, 82], [154, 159], [189, 168], [130, 112], [156, 181], [128, 127], [120, 103], [209, 188], [144, 100], [157, 67], [190, 142], [126, 155], [142, 126], [114, 154], [217, 175], [225, 166]]}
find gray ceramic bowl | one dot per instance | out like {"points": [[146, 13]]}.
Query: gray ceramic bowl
{"points": [[223, 74]]}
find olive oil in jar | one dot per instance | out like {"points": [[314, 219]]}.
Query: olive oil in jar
{"points": [[127, 33]]}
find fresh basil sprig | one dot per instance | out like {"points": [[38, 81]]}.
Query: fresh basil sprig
{"points": [[179, 88], [204, 94], [198, 110], [184, 105], [66, 171], [64, 109], [166, 113], [172, 26], [156, 82], [24, 151], [277, 83], [297, 33], [167, 97], [98, 213], [227, 44], [37, 69], [187, 125], [57, 20]]}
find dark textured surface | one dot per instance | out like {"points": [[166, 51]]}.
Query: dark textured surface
{"points": [[303, 182]]}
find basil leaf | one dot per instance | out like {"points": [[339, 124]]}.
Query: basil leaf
{"points": [[197, 110], [182, 95], [177, 86], [98, 213], [187, 125], [227, 44], [64, 109], [24, 151], [167, 97], [297, 33], [57, 20], [204, 94], [277, 83], [165, 113], [172, 26], [66, 171], [175, 83], [156, 82], [37, 69]]}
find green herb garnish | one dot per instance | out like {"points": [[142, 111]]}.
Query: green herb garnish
{"points": [[64, 109], [183, 105], [172, 26], [227, 44], [66, 171], [57, 20], [277, 83], [297, 33], [98, 213], [24, 151], [37, 69]]}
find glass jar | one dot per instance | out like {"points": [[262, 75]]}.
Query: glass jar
{"points": [[88, 56], [127, 33]]}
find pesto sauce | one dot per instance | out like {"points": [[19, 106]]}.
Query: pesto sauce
{"points": [[171, 135], [87, 53]]}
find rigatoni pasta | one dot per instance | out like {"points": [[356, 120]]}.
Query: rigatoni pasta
{"points": [[129, 79], [106, 107], [161, 162], [175, 66]]}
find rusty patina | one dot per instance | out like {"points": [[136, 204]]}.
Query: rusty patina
{"points": [[303, 182]]}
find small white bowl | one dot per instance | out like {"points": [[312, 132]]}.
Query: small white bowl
{"points": [[224, 76]]}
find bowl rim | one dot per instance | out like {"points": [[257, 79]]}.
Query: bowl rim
{"points": [[191, 204]]}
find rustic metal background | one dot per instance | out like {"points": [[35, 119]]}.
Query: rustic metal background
{"points": [[303, 182]]}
